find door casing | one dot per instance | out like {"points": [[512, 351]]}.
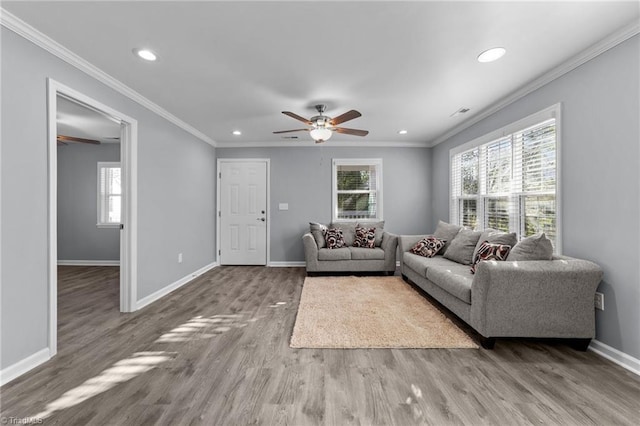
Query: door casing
{"points": [[128, 235]]}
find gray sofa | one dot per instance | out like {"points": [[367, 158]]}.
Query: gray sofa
{"points": [[538, 298], [381, 258]]}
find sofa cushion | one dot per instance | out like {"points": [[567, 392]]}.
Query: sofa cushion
{"points": [[446, 231], [420, 264], [416, 263], [490, 251], [348, 231], [334, 238], [365, 237], [379, 230], [359, 253], [453, 278], [535, 247], [462, 246], [334, 254], [494, 236], [318, 230], [429, 246]]}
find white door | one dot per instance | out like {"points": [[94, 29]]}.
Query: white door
{"points": [[243, 212]]}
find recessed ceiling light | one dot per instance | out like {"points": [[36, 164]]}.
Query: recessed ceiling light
{"points": [[402, 132], [492, 54], [145, 54], [237, 132]]}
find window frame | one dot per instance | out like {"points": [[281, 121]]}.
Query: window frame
{"points": [[516, 221], [377, 163], [101, 206]]}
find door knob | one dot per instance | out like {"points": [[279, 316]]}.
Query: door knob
{"points": [[261, 218]]}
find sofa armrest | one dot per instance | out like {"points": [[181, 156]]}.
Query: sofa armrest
{"points": [[310, 251], [405, 242], [548, 298], [390, 246]]}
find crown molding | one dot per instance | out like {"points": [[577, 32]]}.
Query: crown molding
{"points": [[26, 31], [586, 55], [331, 144]]}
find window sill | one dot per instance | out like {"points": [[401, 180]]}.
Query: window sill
{"points": [[108, 225], [357, 220]]}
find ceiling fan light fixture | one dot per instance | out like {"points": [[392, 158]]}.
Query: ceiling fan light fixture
{"points": [[492, 54], [320, 134], [146, 54]]}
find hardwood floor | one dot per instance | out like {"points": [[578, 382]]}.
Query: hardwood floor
{"points": [[216, 352]]}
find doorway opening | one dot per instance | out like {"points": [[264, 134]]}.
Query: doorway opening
{"points": [[115, 192]]}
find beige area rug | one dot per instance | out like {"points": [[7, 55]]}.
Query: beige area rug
{"points": [[371, 312]]}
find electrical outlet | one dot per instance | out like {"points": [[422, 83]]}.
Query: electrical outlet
{"points": [[599, 301], [179, 257]]}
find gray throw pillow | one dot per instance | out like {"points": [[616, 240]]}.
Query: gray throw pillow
{"points": [[535, 247], [379, 230], [461, 248], [494, 236], [348, 231], [446, 231], [318, 231]]}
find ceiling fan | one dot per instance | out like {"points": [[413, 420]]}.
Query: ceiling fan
{"points": [[64, 140], [322, 126]]}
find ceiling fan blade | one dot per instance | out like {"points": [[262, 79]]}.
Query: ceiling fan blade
{"points": [[297, 117], [289, 131], [74, 139], [355, 132], [349, 115]]}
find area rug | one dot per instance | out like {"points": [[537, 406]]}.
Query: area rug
{"points": [[371, 312]]}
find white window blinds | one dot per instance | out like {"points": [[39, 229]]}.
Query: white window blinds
{"points": [[357, 189], [508, 183], [109, 193]]}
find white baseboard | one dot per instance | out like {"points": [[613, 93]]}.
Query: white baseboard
{"points": [[612, 354], [173, 286], [22, 366], [287, 264], [88, 263]]}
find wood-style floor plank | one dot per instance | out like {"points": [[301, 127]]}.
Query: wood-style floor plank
{"points": [[216, 352]]}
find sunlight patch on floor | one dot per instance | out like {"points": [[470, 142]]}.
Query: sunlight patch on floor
{"points": [[202, 328], [122, 371], [412, 401]]}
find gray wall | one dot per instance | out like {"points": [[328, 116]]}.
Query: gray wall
{"points": [[301, 176], [78, 236], [176, 183], [600, 178]]}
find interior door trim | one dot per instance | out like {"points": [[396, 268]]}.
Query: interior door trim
{"points": [[267, 162], [129, 234]]}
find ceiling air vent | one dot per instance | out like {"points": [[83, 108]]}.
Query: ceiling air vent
{"points": [[460, 111]]}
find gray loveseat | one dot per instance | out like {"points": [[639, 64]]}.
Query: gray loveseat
{"points": [[539, 298], [381, 258]]}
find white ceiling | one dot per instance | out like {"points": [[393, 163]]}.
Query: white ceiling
{"points": [[403, 65], [79, 121]]}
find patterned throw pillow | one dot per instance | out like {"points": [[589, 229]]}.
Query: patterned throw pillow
{"points": [[429, 246], [334, 239], [490, 251], [365, 237]]}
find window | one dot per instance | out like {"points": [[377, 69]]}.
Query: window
{"points": [[508, 180], [357, 189], [109, 194]]}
